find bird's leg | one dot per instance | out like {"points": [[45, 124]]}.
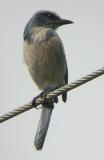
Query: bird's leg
{"points": [[43, 95], [34, 99], [55, 99], [47, 101]]}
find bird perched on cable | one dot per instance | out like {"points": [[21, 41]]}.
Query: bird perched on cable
{"points": [[45, 57]]}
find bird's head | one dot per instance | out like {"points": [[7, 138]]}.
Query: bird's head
{"points": [[46, 19], [49, 19]]}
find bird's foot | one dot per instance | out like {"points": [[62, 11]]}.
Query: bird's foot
{"points": [[55, 99], [34, 100], [43, 95], [49, 103]]}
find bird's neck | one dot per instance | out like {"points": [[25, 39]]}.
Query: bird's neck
{"points": [[37, 30], [39, 33]]}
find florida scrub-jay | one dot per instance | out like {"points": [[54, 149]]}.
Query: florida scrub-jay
{"points": [[46, 61]]}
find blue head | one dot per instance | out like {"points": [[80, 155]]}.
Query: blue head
{"points": [[44, 19]]}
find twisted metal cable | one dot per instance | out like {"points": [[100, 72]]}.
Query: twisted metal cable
{"points": [[57, 92]]}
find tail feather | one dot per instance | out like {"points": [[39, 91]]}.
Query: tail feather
{"points": [[43, 127]]}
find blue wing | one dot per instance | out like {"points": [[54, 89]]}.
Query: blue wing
{"points": [[28, 29], [64, 95]]}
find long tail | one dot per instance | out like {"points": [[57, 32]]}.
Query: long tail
{"points": [[43, 126]]}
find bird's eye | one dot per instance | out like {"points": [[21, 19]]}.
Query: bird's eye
{"points": [[49, 15]]}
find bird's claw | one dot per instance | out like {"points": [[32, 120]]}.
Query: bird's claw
{"points": [[43, 95]]}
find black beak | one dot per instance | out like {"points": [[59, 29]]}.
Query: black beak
{"points": [[63, 22]]}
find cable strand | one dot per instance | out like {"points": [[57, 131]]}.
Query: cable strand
{"points": [[56, 92]]}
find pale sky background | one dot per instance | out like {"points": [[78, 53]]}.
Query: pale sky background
{"points": [[76, 130]]}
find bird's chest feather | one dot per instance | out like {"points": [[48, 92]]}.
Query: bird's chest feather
{"points": [[45, 57]]}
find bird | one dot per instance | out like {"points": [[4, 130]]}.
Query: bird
{"points": [[45, 58]]}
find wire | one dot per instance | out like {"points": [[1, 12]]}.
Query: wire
{"points": [[57, 92]]}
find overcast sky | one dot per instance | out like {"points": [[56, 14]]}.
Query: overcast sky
{"points": [[76, 130]]}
